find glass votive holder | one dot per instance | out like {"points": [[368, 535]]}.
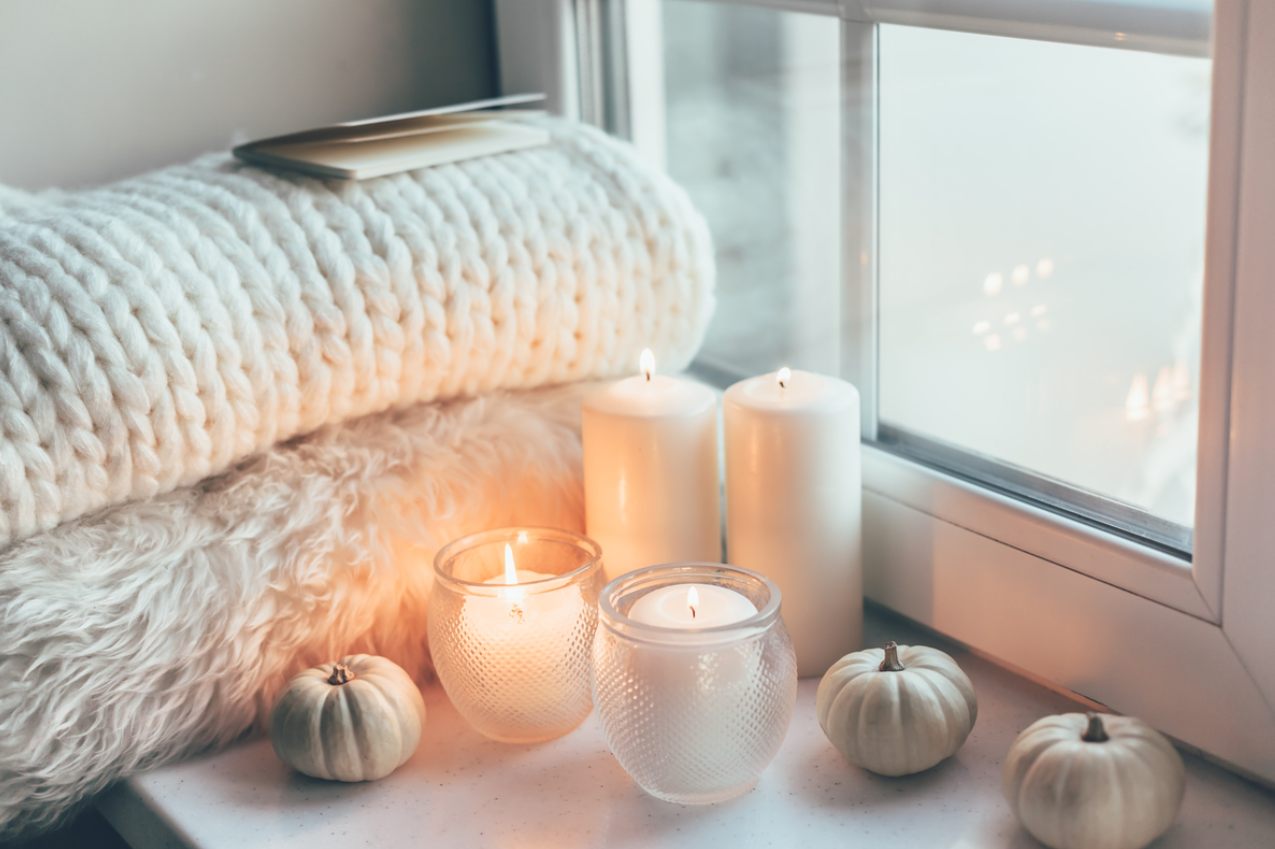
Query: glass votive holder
{"points": [[511, 622], [693, 711]]}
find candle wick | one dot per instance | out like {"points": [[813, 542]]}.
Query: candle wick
{"points": [[692, 613]]}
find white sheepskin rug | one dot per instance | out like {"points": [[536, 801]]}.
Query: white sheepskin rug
{"points": [[166, 626], [159, 330]]}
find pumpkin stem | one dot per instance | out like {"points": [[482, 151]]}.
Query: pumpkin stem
{"points": [[1094, 733], [891, 661], [340, 674]]}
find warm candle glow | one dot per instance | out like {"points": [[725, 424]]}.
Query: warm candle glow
{"points": [[692, 600], [511, 576], [646, 363], [785, 375], [511, 568]]}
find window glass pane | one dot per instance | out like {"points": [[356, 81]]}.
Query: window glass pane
{"points": [[750, 115], [1041, 256]]}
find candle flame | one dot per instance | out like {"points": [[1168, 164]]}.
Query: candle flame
{"points": [[784, 375], [511, 568], [646, 363], [511, 593], [692, 600]]}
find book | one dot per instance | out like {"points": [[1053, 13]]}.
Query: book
{"points": [[374, 147]]}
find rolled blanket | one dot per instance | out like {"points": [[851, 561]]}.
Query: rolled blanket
{"points": [[157, 331], [162, 627]]}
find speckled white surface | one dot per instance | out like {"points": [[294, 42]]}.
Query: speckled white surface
{"points": [[463, 791]]}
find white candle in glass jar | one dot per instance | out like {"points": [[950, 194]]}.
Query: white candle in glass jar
{"points": [[793, 497], [651, 483], [696, 665], [521, 634]]}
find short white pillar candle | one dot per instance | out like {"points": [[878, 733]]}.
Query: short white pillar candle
{"points": [[651, 487], [793, 497]]}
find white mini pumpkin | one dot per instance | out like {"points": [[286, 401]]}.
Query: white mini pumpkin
{"points": [[1078, 781], [358, 719], [897, 710]]}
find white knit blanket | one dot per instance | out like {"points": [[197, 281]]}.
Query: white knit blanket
{"points": [[156, 331]]}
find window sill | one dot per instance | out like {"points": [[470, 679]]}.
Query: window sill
{"points": [[461, 790]]}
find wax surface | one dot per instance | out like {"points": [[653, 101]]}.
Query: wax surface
{"points": [[669, 607]]}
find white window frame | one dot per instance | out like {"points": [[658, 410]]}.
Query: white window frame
{"points": [[1188, 646]]}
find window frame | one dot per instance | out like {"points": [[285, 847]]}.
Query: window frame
{"points": [[1079, 607]]}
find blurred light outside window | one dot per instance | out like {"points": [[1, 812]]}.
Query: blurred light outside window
{"points": [[1042, 216]]}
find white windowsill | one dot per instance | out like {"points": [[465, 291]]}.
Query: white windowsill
{"points": [[463, 791]]}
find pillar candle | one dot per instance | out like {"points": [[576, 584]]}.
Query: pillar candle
{"points": [[651, 486], [793, 504]]}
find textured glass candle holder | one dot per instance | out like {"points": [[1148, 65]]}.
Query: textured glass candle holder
{"points": [[514, 659], [694, 716]]}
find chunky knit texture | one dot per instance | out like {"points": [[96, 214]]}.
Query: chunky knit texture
{"points": [[155, 629], [156, 331]]}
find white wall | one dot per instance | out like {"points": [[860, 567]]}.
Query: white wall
{"points": [[91, 91]]}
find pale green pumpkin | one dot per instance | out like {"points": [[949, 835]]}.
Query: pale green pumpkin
{"points": [[897, 710], [358, 719], [1090, 781]]}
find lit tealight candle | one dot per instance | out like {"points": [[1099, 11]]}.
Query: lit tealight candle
{"points": [[651, 487], [507, 661], [695, 678], [688, 611], [692, 606]]}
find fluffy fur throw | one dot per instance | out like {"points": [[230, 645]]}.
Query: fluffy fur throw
{"points": [[166, 626], [157, 331]]}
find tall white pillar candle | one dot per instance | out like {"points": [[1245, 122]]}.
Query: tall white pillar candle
{"points": [[793, 504], [651, 487]]}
